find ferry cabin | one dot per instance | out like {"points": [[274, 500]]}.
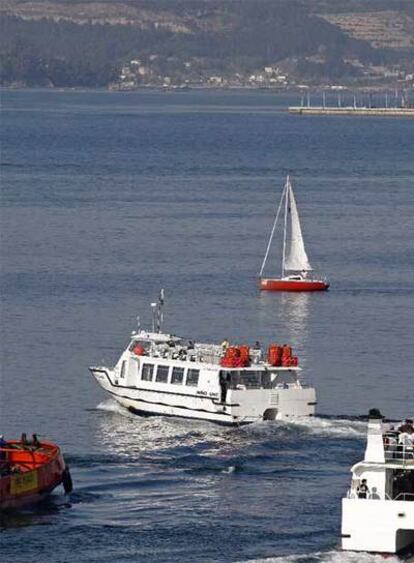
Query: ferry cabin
{"points": [[382, 520], [159, 374]]}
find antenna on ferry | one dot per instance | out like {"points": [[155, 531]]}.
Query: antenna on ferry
{"points": [[160, 314], [138, 323], [154, 315]]}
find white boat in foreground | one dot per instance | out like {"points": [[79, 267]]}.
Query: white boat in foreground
{"points": [[162, 374], [378, 511]]}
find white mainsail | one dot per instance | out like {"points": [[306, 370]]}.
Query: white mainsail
{"points": [[296, 257]]}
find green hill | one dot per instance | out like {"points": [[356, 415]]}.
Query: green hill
{"points": [[92, 43]]}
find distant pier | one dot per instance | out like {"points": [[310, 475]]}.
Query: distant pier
{"points": [[321, 110]]}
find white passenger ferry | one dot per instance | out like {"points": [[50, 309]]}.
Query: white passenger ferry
{"points": [[162, 374], [378, 511]]}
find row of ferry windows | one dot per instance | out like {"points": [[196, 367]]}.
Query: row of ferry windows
{"points": [[177, 375]]}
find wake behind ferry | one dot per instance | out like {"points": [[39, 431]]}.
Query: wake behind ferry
{"points": [[163, 374]]}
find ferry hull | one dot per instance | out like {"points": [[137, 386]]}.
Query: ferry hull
{"points": [[377, 526], [241, 407], [270, 284]]}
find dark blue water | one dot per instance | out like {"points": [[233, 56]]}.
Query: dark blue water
{"points": [[108, 197]]}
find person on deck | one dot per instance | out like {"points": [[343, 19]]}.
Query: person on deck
{"points": [[225, 344], [223, 380], [374, 494], [4, 466], [258, 351], [362, 489], [407, 426], [3, 444]]}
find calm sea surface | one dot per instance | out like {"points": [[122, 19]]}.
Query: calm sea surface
{"points": [[106, 198]]}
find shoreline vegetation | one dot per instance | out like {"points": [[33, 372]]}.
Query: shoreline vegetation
{"points": [[301, 91], [219, 44]]}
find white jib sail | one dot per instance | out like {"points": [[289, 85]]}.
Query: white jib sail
{"points": [[296, 257]]}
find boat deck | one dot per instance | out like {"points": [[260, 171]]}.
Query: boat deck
{"points": [[20, 457], [169, 347]]}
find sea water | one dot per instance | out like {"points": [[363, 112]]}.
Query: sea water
{"points": [[108, 197]]}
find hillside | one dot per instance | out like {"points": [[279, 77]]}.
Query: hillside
{"points": [[205, 42]]}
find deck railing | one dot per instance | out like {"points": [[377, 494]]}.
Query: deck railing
{"points": [[404, 496], [399, 452], [352, 494]]}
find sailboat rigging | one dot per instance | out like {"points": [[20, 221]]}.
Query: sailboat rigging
{"points": [[296, 268]]}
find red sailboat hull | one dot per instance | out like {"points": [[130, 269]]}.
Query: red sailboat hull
{"points": [[32, 473], [272, 284]]}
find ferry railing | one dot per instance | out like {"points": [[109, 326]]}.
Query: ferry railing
{"points": [[399, 453], [404, 496], [353, 494]]}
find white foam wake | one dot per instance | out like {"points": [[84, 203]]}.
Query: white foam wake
{"points": [[328, 557], [334, 427], [110, 405], [340, 428], [128, 432]]}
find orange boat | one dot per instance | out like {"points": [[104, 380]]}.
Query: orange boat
{"points": [[296, 268], [29, 471]]}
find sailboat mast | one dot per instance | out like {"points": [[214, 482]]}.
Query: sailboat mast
{"points": [[285, 224], [269, 244]]}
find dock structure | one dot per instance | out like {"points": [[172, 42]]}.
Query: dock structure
{"points": [[350, 110]]}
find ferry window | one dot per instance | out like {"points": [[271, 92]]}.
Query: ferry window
{"points": [[177, 376], [123, 369], [192, 377], [231, 377], [147, 372], [162, 374], [251, 379], [282, 378]]}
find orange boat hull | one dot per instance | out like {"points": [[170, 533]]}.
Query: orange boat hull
{"points": [[269, 284], [36, 472]]}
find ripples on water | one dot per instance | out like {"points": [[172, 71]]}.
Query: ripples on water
{"points": [[167, 484], [108, 197], [328, 557]]}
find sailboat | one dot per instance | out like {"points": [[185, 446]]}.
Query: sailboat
{"points": [[296, 269]]}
